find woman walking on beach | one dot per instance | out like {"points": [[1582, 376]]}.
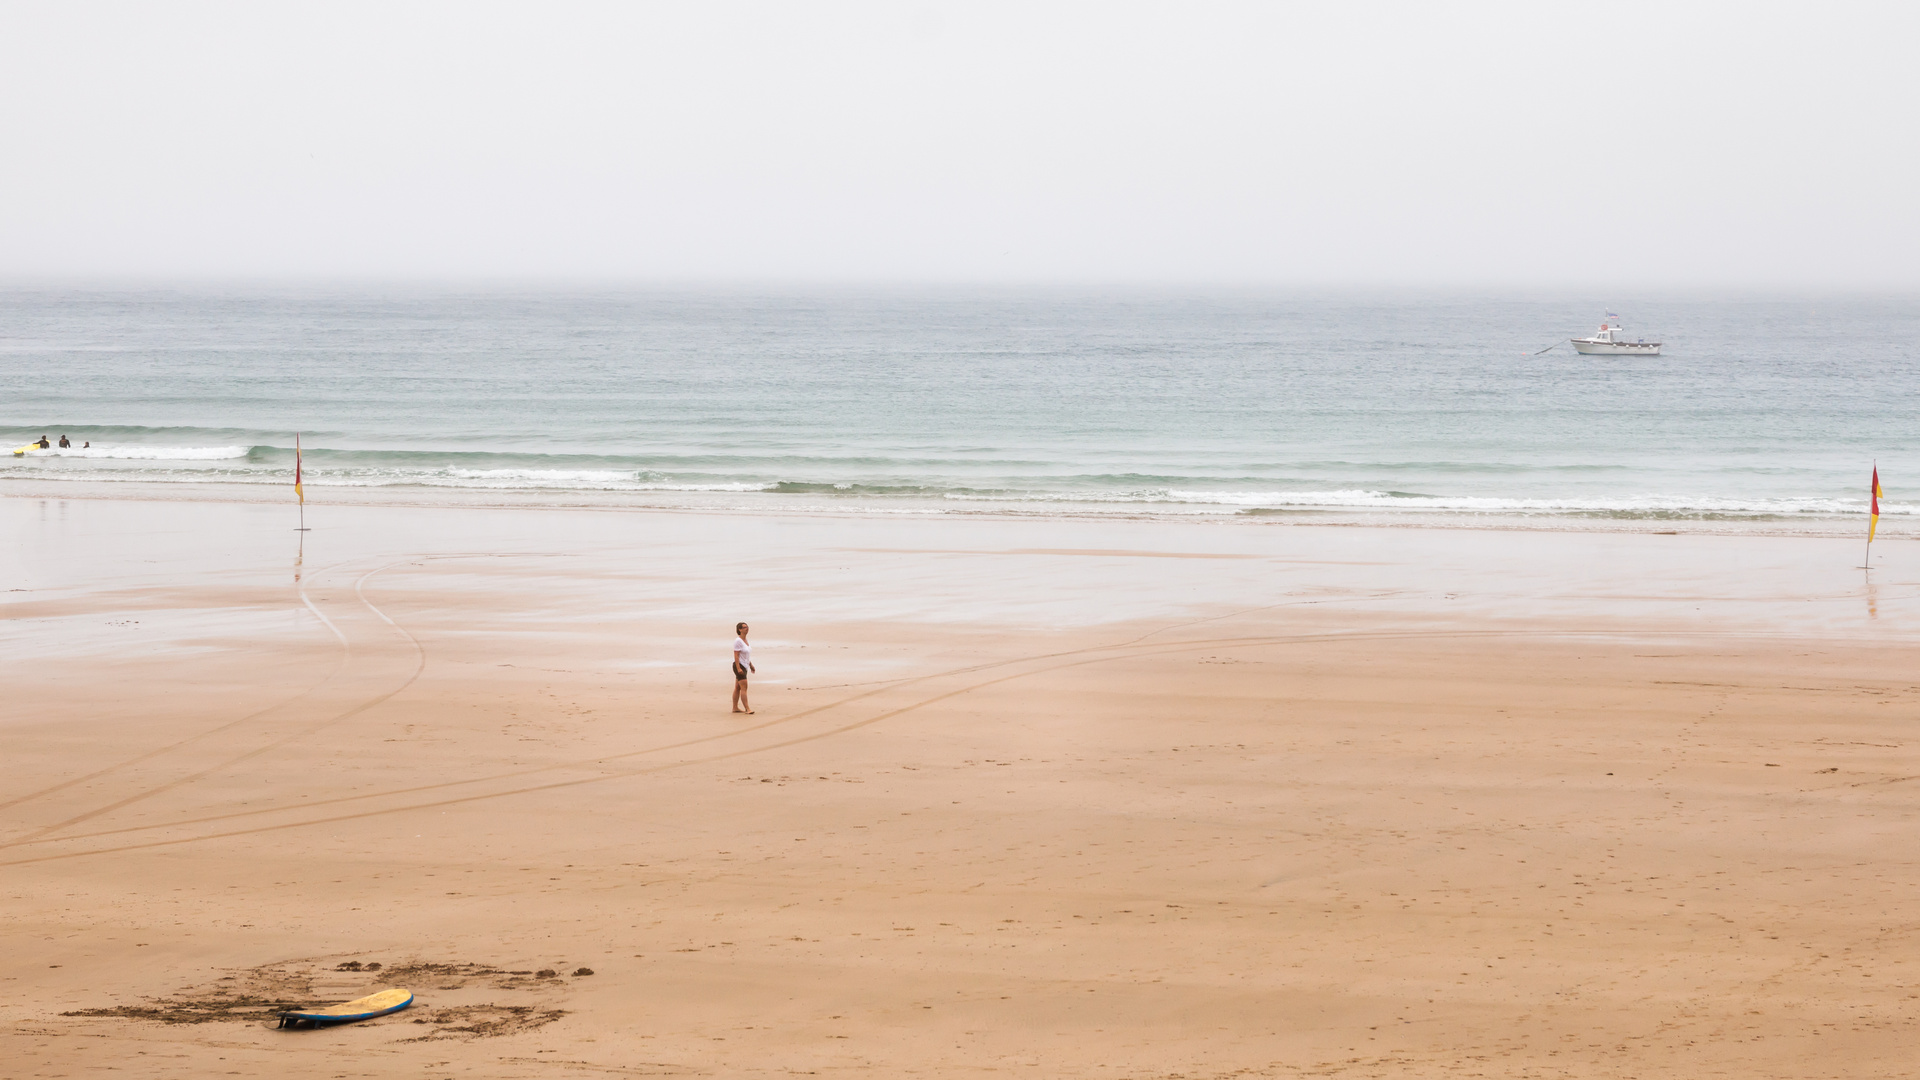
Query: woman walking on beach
{"points": [[742, 665]]}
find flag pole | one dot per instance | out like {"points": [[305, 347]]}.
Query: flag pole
{"points": [[297, 489], [1873, 514]]}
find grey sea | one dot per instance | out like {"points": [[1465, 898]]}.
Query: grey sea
{"points": [[1410, 408]]}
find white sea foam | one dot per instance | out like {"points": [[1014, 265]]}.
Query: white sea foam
{"points": [[1635, 504], [1488, 504], [544, 476], [159, 464], [1365, 499], [145, 453], [519, 479], [1380, 506]]}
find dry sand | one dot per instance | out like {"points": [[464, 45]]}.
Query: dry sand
{"points": [[1043, 798]]}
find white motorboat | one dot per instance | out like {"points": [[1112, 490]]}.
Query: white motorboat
{"points": [[1609, 342]]}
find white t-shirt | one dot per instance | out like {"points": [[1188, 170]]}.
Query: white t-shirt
{"points": [[742, 652]]}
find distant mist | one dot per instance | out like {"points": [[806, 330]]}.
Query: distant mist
{"points": [[1633, 146]]}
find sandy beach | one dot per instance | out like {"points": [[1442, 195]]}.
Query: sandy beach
{"points": [[1045, 798]]}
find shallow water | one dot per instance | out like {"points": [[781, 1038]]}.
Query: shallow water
{"points": [[1381, 407], [193, 575]]}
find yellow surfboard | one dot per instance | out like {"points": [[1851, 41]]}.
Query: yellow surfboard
{"points": [[21, 452], [366, 1008]]}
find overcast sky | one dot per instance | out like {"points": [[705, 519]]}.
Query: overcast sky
{"points": [[1637, 145]]}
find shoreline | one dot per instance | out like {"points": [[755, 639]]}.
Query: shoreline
{"points": [[859, 507], [1618, 576]]}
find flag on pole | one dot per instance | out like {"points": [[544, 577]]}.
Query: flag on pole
{"points": [[303, 495], [1873, 522]]}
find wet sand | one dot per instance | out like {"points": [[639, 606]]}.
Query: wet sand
{"points": [[1044, 798]]}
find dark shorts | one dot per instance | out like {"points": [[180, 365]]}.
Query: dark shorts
{"points": [[739, 672]]}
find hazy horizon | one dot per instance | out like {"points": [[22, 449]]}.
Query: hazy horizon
{"points": [[1715, 148]]}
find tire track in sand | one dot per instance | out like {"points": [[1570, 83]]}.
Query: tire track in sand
{"points": [[1117, 653], [210, 732], [346, 652], [883, 687]]}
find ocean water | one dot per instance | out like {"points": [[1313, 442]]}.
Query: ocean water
{"points": [[1387, 407]]}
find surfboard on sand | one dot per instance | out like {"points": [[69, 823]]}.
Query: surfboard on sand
{"points": [[366, 1008]]}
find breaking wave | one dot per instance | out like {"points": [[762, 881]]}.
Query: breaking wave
{"points": [[144, 453]]}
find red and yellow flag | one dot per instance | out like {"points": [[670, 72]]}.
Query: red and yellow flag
{"points": [[303, 494], [1873, 522]]}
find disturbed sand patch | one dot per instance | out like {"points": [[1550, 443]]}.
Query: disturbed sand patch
{"points": [[261, 994], [483, 1021], [248, 996]]}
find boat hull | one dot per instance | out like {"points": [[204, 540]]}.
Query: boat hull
{"points": [[1616, 348]]}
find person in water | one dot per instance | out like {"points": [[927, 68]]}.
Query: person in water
{"points": [[43, 443], [742, 667], [64, 444]]}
